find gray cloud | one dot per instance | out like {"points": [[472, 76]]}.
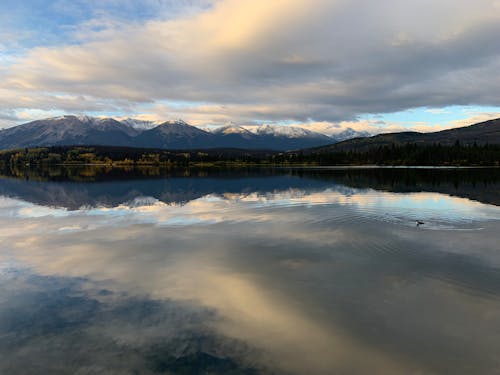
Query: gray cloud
{"points": [[289, 60]]}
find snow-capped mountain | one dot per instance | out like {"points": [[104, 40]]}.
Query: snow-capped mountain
{"points": [[140, 124], [67, 130], [175, 135], [287, 131], [269, 137], [86, 130], [233, 130], [350, 133]]}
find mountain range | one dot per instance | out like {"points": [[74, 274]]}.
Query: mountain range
{"points": [[86, 130], [178, 135]]}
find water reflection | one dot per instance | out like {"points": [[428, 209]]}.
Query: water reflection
{"points": [[287, 272]]}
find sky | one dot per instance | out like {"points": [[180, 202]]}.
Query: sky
{"points": [[326, 65]]}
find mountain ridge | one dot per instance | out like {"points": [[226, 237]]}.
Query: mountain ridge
{"points": [[482, 133]]}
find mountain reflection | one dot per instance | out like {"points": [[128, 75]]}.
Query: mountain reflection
{"points": [[75, 188]]}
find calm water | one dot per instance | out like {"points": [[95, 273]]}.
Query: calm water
{"points": [[305, 271]]}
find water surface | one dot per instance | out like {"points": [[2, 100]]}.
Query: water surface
{"points": [[250, 271]]}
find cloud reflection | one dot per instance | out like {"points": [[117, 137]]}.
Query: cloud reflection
{"points": [[303, 281]]}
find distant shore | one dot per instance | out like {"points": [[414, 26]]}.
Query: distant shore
{"points": [[408, 155]]}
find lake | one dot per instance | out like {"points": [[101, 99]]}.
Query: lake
{"points": [[250, 271]]}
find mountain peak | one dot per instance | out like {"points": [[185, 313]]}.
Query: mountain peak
{"points": [[80, 118], [349, 133], [176, 122], [288, 131], [140, 124], [85, 118], [231, 128]]}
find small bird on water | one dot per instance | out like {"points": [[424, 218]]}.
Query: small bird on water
{"points": [[419, 223]]}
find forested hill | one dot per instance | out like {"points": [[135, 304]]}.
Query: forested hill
{"points": [[117, 155], [478, 134]]}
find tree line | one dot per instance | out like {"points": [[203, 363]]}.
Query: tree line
{"points": [[406, 155]]}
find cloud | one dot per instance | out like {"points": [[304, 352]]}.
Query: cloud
{"points": [[320, 61], [476, 118]]}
